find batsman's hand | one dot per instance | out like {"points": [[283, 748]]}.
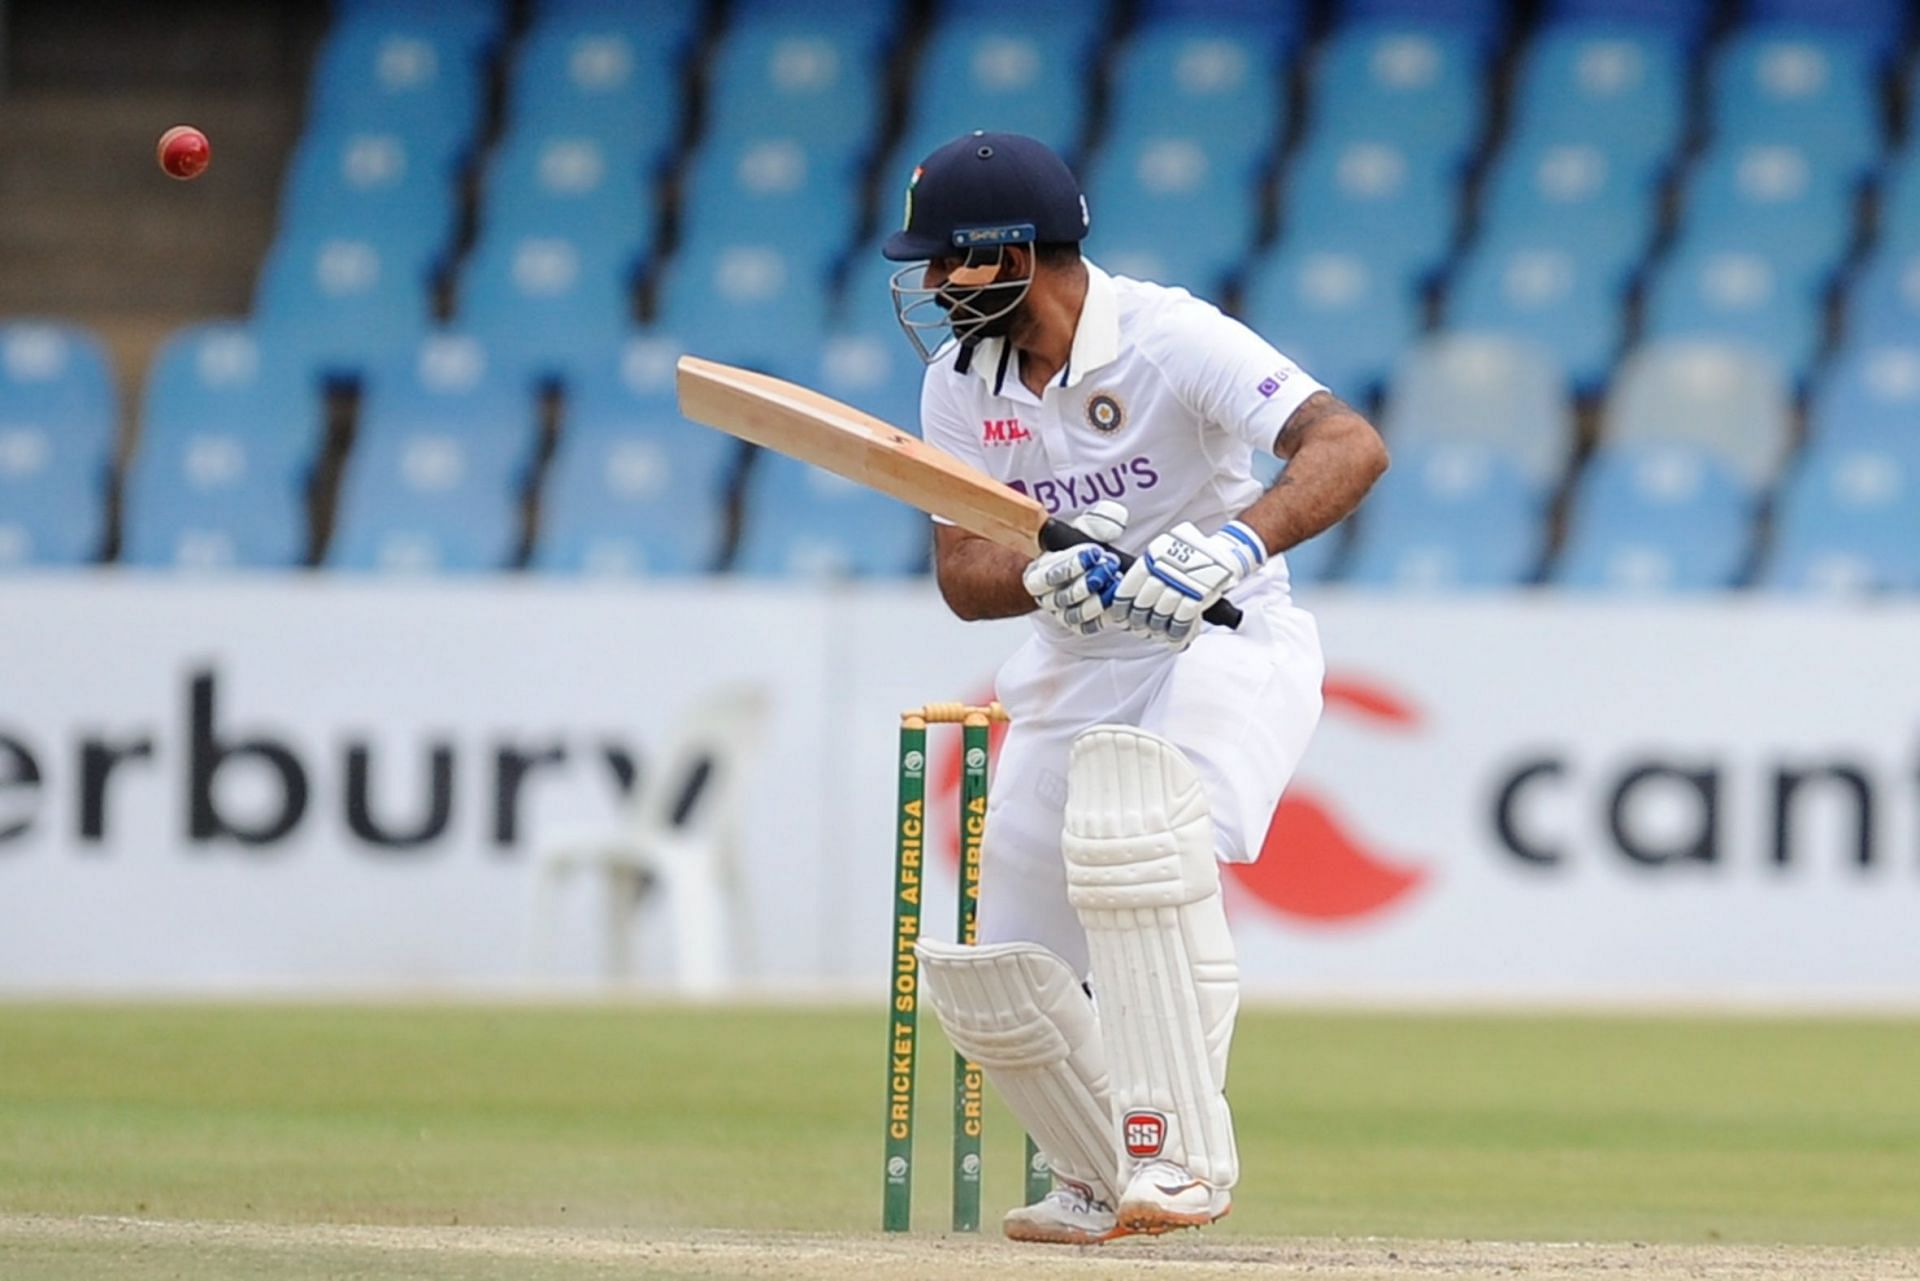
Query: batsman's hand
{"points": [[1076, 584], [1181, 573]]}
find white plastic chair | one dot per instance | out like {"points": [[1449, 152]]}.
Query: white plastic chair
{"points": [[678, 846]]}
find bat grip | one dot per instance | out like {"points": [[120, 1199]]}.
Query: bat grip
{"points": [[1057, 535]]}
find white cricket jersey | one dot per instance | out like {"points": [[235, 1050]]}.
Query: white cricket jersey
{"points": [[1160, 406]]}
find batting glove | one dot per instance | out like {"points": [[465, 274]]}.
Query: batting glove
{"points": [[1182, 572], [1077, 584]]}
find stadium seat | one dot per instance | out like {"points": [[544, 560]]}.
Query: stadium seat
{"points": [[669, 25], [614, 75], [1021, 79], [1805, 85], [1207, 80], [545, 304], [57, 428], [1657, 517], [223, 496], [1506, 393], [876, 373], [771, 190], [1533, 286], [1281, 20], [1778, 199], [634, 489], [1484, 20], [1899, 222], [816, 79], [1883, 301], [221, 374], [746, 304], [375, 185], [634, 383], [1620, 87], [1578, 196], [801, 522], [1409, 83], [445, 443], [1869, 394], [1451, 514], [1848, 520], [1342, 316], [1168, 194], [1729, 401], [419, 77], [1684, 20], [1395, 203], [337, 304], [1734, 294], [865, 302], [573, 187], [1881, 24]]}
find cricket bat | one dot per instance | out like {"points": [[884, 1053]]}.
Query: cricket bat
{"points": [[817, 429]]}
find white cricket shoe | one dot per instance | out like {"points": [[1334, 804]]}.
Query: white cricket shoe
{"points": [[1069, 1215], [1161, 1196]]}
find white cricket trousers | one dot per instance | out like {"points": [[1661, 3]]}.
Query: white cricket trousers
{"points": [[1241, 704]]}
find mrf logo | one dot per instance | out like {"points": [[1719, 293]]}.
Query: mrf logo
{"points": [[1144, 1132], [1003, 431]]}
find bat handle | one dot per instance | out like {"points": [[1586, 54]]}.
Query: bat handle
{"points": [[1057, 535]]}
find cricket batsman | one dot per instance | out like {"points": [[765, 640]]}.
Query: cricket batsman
{"points": [[1145, 745]]}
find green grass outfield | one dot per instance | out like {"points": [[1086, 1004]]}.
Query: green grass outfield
{"points": [[659, 1118]]}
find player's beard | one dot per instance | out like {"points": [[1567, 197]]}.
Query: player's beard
{"points": [[972, 323]]}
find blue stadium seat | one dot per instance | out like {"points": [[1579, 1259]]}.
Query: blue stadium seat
{"points": [[1805, 85], [1620, 87], [1534, 287], [1393, 202], [474, 24], [375, 185], [634, 488], [1166, 262], [1881, 24], [545, 304], [866, 298], [577, 188], [1208, 80], [1024, 78], [746, 304], [224, 496], [1451, 514], [57, 427], [610, 75], [771, 190], [420, 78], [1506, 393], [221, 374], [1779, 199], [1577, 195], [669, 25], [1280, 20], [340, 304], [1848, 520], [1484, 20], [1869, 394], [1417, 85], [634, 384], [1169, 194], [802, 522], [1085, 22], [1899, 222], [876, 373], [815, 79], [1684, 20], [1344, 317], [1883, 301], [1733, 294], [444, 446], [1657, 518]]}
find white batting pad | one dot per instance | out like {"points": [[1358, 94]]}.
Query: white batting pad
{"points": [[1142, 876], [1018, 1011]]}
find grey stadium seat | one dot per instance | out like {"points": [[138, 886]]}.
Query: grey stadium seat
{"points": [[1725, 399], [1506, 393]]}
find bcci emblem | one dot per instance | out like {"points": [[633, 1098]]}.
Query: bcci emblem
{"points": [[1104, 413]]}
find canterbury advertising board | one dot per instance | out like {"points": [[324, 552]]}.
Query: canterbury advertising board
{"points": [[331, 783]]}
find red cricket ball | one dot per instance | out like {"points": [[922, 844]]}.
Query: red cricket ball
{"points": [[183, 152]]}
